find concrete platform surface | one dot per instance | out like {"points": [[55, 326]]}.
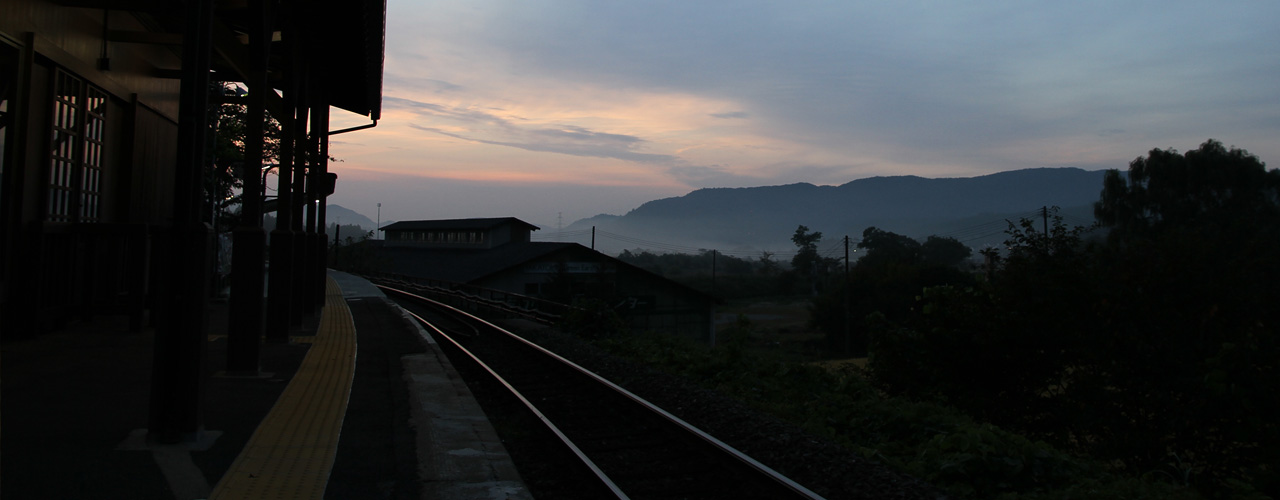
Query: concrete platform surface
{"points": [[74, 409]]}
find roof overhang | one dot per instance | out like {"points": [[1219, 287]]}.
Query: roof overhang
{"points": [[345, 53]]}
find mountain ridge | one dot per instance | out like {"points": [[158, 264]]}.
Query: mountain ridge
{"points": [[765, 217], [348, 217]]}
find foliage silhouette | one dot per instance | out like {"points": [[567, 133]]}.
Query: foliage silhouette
{"points": [[1154, 349]]}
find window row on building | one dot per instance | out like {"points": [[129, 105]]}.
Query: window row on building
{"points": [[472, 237]]}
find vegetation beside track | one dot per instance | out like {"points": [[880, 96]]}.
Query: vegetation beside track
{"points": [[1146, 341], [935, 443]]}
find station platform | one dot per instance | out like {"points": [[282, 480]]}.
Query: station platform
{"points": [[359, 404]]}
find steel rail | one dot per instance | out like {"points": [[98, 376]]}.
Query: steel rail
{"points": [[743, 457], [604, 478]]}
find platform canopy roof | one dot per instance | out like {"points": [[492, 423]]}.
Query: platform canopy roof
{"points": [[344, 41]]}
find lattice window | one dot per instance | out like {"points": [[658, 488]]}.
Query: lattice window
{"points": [[66, 143], [91, 174], [75, 166]]}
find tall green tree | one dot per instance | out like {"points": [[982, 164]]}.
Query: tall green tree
{"points": [[945, 251], [886, 280], [1154, 349], [881, 244], [1210, 185], [806, 242], [1189, 281], [807, 264]]}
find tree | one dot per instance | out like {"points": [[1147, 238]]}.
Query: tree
{"points": [[1187, 288], [1025, 240], [806, 257], [1212, 185], [224, 180], [947, 252], [807, 262], [886, 280], [1155, 350], [999, 349], [881, 244], [768, 266]]}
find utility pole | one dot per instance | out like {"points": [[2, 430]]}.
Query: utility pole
{"points": [[378, 229], [337, 229], [1044, 212], [713, 271], [847, 340], [593, 237]]}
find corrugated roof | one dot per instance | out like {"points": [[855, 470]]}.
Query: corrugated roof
{"points": [[465, 266], [477, 223]]}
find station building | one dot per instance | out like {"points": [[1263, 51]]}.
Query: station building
{"points": [[104, 122], [498, 254]]}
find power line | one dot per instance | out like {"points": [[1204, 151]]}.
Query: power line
{"points": [[561, 235]]}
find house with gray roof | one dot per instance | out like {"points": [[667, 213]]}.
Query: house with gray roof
{"points": [[498, 254]]}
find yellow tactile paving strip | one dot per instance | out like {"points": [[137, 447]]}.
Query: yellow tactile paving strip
{"points": [[292, 452]]}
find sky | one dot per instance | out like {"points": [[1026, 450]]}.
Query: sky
{"points": [[557, 110]]}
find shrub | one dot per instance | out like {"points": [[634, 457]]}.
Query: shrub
{"points": [[932, 441]]}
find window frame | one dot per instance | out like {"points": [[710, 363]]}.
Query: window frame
{"points": [[76, 161]]}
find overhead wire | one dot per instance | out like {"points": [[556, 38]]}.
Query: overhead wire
{"points": [[560, 235]]}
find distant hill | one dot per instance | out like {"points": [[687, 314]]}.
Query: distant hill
{"points": [[338, 213], [972, 209]]}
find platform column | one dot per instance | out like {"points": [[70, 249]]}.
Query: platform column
{"points": [[249, 241], [319, 187], [177, 378], [300, 300], [280, 277]]}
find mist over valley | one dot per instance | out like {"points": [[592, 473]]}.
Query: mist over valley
{"points": [[746, 221]]}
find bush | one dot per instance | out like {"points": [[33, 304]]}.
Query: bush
{"points": [[982, 461], [929, 440]]}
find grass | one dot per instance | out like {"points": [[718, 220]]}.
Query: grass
{"points": [[768, 358], [777, 326]]}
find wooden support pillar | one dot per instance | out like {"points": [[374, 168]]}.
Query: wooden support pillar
{"points": [[312, 265], [248, 265], [323, 184], [300, 298], [177, 380], [280, 279], [20, 277]]}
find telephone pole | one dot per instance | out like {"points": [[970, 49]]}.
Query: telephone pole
{"points": [[1044, 212], [713, 271], [847, 340]]}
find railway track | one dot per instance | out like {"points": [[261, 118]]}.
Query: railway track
{"points": [[607, 441]]}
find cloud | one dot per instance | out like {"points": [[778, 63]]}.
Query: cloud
{"points": [[573, 141], [912, 83], [440, 110], [836, 90], [441, 85]]}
